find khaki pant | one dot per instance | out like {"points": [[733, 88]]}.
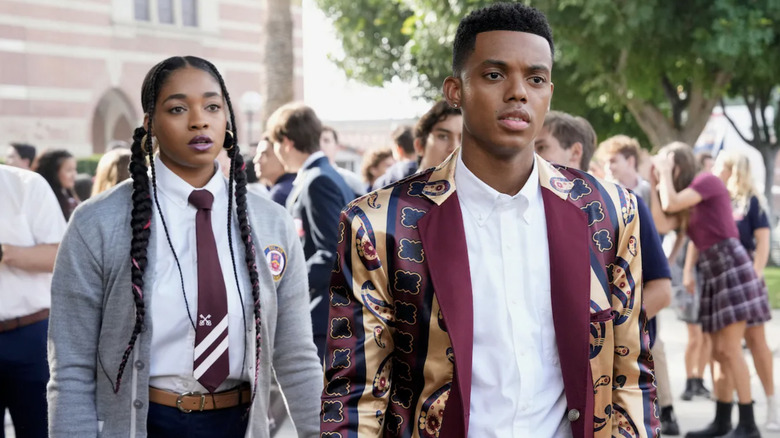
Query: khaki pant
{"points": [[661, 373]]}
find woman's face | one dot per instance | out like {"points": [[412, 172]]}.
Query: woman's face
{"points": [[721, 170], [67, 173], [189, 122]]}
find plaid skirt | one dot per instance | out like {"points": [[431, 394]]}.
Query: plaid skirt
{"points": [[730, 289]]}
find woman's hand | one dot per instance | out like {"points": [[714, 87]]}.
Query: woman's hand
{"points": [[663, 164]]}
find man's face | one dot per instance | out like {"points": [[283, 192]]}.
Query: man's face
{"points": [[268, 168], [505, 90], [549, 148], [620, 168], [12, 158], [444, 138], [328, 144]]}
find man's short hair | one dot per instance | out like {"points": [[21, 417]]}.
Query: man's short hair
{"points": [[440, 111], [402, 136], [297, 122], [498, 16], [624, 145], [25, 151], [568, 129], [331, 129]]}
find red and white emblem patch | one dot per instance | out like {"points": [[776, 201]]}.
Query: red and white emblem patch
{"points": [[277, 260]]}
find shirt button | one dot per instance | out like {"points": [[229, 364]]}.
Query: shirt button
{"points": [[573, 415], [138, 404], [139, 365]]}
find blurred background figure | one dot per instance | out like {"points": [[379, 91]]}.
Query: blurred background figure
{"points": [[566, 140], [732, 295], [405, 157], [20, 155], [58, 168], [437, 134], [704, 161], [622, 155], [270, 172], [329, 145], [112, 169], [375, 164], [750, 215], [29, 238], [83, 186]]}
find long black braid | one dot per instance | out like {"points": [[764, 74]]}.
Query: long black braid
{"points": [[140, 223], [142, 203]]}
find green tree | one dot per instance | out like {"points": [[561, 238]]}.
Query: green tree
{"points": [[665, 62]]}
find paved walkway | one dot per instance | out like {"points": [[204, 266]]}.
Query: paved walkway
{"points": [[691, 414]]}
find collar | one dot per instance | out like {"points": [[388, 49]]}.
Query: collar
{"points": [[306, 165], [178, 191], [481, 200], [312, 158]]}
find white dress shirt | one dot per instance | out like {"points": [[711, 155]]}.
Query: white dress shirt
{"points": [[516, 384], [29, 215], [173, 338]]}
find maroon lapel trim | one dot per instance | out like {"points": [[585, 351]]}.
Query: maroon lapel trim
{"points": [[568, 240], [444, 242]]}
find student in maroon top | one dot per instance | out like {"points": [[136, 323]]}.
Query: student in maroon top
{"points": [[733, 168], [730, 288]]}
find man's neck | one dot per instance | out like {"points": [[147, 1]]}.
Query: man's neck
{"points": [[504, 174], [295, 161], [630, 181]]}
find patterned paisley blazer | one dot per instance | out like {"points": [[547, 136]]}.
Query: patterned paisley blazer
{"points": [[400, 329]]}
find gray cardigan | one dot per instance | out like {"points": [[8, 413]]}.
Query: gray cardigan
{"points": [[92, 315]]}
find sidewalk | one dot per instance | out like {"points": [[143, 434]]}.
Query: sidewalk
{"points": [[697, 413], [693, 414]]}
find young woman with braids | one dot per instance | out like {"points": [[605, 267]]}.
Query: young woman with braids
{"points": [[731, 292], [166, 319]]}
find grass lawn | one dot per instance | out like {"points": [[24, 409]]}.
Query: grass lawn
{"points": [[772, 276]]}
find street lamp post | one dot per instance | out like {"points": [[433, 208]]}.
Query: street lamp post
{"points": [[251, 104]]}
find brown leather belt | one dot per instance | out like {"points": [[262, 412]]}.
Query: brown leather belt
{"points": [[196, 401], [13, 324]]}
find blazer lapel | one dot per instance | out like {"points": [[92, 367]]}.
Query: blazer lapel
{"points": [[570, 279], [444, 242]]}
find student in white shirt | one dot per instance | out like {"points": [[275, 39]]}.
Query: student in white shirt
{"points": [[31, 228], [136, 348]]}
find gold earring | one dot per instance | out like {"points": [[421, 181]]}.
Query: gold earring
{"points": [[232, 140], [143, 144]]}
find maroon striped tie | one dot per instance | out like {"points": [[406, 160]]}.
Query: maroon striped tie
{"points": [[211, 364]]}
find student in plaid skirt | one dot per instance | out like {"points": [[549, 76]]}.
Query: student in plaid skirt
{"points": [[731, 292], [749, 210]]}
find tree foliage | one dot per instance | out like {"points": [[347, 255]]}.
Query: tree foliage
{"points": [[661, 64]]}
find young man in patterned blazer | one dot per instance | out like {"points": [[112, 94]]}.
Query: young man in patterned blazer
{"points": [[495, 295]]}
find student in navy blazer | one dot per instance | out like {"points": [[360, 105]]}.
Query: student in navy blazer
{"points": [[318, 195]]}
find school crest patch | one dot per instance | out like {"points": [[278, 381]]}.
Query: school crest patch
{"points": [[277, 260]]}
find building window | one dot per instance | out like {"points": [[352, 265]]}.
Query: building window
{"points": [[142, 10], [176, 12], [165, 11], [189, 13]]}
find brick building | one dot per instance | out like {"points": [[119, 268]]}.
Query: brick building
{"points": [[71, 70]]}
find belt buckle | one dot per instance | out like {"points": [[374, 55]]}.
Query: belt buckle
{"points": [[185, 394]]}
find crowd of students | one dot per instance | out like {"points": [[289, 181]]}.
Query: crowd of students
{"points": [[452, 289]]}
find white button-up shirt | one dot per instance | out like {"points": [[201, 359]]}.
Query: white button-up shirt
{"points": [[29, 215], [173, 338], [516, 384]]}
